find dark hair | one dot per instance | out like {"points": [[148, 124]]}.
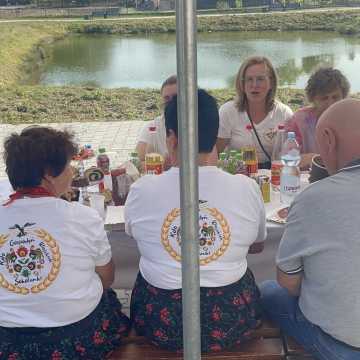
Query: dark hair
{"points": [[37, 151], [171, 80], [326, 80], [208, 120], [241, 99]]}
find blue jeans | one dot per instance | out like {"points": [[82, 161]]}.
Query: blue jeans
{"points": [[283, 309]]}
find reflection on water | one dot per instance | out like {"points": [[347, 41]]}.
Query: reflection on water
{"points": [[144, 61]]}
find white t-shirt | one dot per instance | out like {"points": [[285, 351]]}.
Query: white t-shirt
{"points": [[48, 252], [157, 140], [233, 126], [232, 217]]}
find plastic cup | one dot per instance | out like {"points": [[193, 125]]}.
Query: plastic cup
{"points": [[97, 202]]}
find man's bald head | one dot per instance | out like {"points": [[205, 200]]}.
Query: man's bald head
{"points": [[338, 134]]}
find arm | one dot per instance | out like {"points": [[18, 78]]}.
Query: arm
{"points": [[141, 150], [305, 162], [290, 282], [221, 144], [106, 274], [256, 248]]}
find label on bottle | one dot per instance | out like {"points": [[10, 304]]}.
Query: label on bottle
{"points": [[290, 184], [276, 172]]}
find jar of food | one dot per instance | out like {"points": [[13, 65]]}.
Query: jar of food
{"points": [[154, 164]]}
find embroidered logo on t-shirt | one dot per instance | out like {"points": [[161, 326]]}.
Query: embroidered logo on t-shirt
{"points": [[214, 234], [29, 259]]}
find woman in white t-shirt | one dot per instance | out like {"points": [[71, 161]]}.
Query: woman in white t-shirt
{"points": [[253, 116], [55, 259], [152, 137]]}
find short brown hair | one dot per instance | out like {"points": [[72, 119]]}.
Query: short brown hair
{"points": [[37, 151], [241, 99], [325, 80], [171, 80]]}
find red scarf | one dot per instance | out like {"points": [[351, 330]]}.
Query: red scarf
{"points": [[37, 191]]}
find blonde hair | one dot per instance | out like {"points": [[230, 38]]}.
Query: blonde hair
{"points": [[241, 99], [171, 80]]}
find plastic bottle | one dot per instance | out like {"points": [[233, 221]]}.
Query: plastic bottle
{"points": [[276, 163], [222, 162], [135, 160], [103, 162], [231, 163], [249, 154], [240, 164], [290, 174]]}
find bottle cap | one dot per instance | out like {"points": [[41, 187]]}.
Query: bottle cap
{"points": [[291, 135], [281, 127], [152, 128], [248, 127], [102, 150], [222, 156], [134, 154]]}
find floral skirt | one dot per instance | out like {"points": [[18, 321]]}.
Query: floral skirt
{"points": [[228, 314], [91, 338]]}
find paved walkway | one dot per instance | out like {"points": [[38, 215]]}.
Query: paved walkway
{"points": [[115, 136]]}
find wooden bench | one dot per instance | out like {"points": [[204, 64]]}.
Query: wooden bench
{"points": [[267, 344]]}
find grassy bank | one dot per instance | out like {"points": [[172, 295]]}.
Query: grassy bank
{"points": [[30, 104], [23, 46]]}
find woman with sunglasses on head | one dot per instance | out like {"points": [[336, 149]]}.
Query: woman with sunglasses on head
{"points": [[255, 105]]}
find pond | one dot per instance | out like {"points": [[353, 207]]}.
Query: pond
{"points": [[144, 61]]}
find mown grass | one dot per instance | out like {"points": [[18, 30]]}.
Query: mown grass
{"points": [[40, 104], [23, 45]]}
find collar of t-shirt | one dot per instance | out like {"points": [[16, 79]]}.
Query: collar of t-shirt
{"points": [[351, 165], [206, 168]]}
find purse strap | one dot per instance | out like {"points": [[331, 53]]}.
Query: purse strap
{"points": [[258, 139]]}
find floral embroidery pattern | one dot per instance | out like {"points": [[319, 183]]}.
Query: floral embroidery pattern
{"points": [[228, 314]]}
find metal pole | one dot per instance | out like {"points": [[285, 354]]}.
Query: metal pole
{"points": [[189, 194]]}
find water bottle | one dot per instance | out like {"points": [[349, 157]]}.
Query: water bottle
{"points": [[276, 163], [240, 164], [290, 174], [134, 159], [222, 162], [231, 166]]}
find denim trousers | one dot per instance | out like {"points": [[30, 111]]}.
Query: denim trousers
{"points": [[283, 309]]}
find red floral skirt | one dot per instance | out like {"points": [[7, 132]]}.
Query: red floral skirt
{"points": [[91, 338], [228, 314]]}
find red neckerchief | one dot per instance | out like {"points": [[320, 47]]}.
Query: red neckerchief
{"points": [[37, 191]]}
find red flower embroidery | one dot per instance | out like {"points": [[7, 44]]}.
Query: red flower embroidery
{"points": [[215, 347], [56, 355], [238, 300], [164, 316], [13, 356], [161, 335], [216, 313], [176, 296], [217, 334], [97, 338], [105, 324], [80, 349], [22, 251], [149, 309]]}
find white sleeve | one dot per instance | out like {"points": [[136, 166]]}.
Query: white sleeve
{"points": [[144, 135], [129, 209], [102, 249], [225, 122], [262, 233]]}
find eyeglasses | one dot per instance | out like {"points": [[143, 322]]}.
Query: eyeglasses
{"points": [[259, 80]]}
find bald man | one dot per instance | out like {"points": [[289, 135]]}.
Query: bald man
{"points": [[316, 298]]}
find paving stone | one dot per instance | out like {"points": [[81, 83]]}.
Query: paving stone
{"points": [[115, 136]]}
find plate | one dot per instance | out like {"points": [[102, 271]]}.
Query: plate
{"points": [[279, 215]]}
